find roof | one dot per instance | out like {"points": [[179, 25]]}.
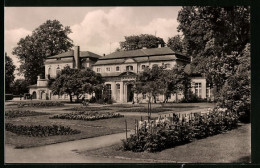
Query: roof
{"points": [[71, 54], [140, 52], [142, 55]]}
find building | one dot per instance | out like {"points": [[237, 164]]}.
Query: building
{"points": [[119, 70]]}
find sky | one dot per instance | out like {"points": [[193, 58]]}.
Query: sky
{"points": [[95, 29]]}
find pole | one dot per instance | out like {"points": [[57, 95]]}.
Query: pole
{"points": [[125, 129]]}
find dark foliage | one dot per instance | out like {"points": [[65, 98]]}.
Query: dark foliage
{"points": [[40, 131]]}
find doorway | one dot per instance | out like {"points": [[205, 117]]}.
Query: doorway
{"points": [[130, 93]]}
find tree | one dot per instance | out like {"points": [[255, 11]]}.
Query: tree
{"points": [[135, 42], [203, 25], [218, 38], [176, 43], [76, 82], [236, 92], [20, 87], [215, 36], [9, 73], [174, 81], [50, 38], [148, 82]]}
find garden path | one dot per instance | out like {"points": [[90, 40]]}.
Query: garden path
{"points": [[66, 152]]}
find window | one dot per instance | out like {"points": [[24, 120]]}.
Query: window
{"points": [[143, 66], [198, 89], [117, 68], [65, 96], [58, 70], [144, 96], [129, 68], [98, 69], [59, 96], [109, 91], [108, 69]]}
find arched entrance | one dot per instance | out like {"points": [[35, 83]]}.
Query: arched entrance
{"points": [[43, 95], [34, 96], [130, 93]]}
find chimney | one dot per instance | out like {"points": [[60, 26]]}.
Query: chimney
{"points": [[76, 57], [159, 45]]}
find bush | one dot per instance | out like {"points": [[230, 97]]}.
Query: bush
{"points": [[40, 131], [8, 97], [169, 132], [143, 109], [87, 116], [88, 109], [22, 113], [41, 104]]}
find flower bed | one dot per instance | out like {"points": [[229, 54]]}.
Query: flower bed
{"points": [[22, 113], [160, 134], [40, 131], [87, 116], [41, 104], [88, 109], [144, 110], [126, 105]]}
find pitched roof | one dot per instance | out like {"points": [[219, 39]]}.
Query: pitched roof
{"points": [[140, 52], [142, 55], [71, 54]]}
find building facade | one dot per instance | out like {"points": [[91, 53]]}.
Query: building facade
{"points": [[119, 71]]}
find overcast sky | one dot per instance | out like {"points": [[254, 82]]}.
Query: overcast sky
{"points": [[93, 28]]}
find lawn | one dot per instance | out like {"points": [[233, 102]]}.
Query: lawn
{"points": [[88, 129], [229, 147]]}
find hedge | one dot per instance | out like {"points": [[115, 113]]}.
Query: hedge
{"points": [[40, 131], [160, 134]]}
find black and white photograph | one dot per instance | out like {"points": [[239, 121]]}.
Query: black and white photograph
{"points": [[127, 84]]}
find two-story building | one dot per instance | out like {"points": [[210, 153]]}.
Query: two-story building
{"points": [[54, 64], [119, 70]]}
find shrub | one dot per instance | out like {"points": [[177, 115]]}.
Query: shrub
{"points": [[160, 134], [40, 131], [88, 108], [87, 116], [22, 113], [41, 104], [143, 109], [8, 97]]}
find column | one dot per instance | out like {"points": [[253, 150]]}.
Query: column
{"points": [[121, 92]]}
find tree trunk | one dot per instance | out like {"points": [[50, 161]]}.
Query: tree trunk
{"points": [[154, 97], [70, 98]]}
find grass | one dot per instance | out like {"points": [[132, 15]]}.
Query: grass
{"points": [[22, 113], [230, 147], [88, 129]]}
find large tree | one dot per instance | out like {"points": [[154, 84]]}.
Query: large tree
{"points": [[76, 82], [20, 86], [177, 43], [135, 42], [50, 38], [9, 73], [215, 36]]}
